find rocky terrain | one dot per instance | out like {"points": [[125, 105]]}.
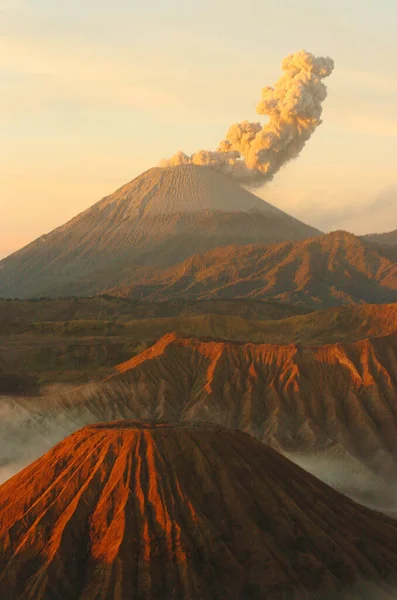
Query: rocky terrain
{"points": [[294, 397], [78, 340], [331, 407], [153, 511], [39, 349]]}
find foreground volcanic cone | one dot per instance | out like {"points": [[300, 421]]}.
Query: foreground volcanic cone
{"points": [[132, 510]]}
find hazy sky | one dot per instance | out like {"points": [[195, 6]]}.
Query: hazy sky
{"points": [[95, 92]]}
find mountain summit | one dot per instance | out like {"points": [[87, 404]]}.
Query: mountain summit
{"points": [[195, 512], [160, 218]]}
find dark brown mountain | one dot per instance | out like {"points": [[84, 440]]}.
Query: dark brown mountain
{"points": [[389, 238], [330, 270], [160, 218], [192, 512], [24, 313]]}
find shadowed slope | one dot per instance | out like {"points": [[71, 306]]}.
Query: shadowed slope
{"points": [[159, 218], [330, 270], [126, 510], [389, 238]]}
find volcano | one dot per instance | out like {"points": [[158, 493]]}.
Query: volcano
{"points": [[194, 512], [160, 218]]}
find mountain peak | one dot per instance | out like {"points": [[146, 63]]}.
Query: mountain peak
{"points": [[184, 188], [160, 218], [149, 510]]}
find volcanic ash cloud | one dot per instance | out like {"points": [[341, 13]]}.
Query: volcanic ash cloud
{"points": [[253, 152]]}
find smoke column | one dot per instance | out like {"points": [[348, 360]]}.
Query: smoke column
{"points": [[253, 152]]}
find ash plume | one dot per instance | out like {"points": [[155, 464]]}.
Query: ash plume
{"points": [[253, 152]]}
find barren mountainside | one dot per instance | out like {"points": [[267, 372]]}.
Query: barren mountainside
{"points": [[160, 218], [184, 512], [294, 397], [330, 270], [336, 402], [51, 342]]}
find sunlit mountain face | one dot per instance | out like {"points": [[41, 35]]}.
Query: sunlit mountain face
{"points": [[184, 511]]}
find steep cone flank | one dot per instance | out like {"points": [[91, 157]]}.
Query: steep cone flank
{"points": [[330, 270], [160, 218], [127, 510]]}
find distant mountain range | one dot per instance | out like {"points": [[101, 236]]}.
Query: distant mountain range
{"points": [[329, 270], [185, 512], [389, 238]]}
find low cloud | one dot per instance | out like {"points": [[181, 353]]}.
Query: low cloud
{"points": [[349, 210], [376, 216]]}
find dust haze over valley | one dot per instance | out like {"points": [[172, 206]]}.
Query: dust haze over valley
{"points": [[198, 390]]}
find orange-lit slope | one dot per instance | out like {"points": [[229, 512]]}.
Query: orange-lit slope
{"points": [[338, 400], [294, 397], [330, 270], [125, 510]]}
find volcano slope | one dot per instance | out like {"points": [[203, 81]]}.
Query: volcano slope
{"points": [[332, 407], [329, 270], [191, 512], [160, 218]]}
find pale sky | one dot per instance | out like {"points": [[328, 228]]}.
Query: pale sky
{"points": [[93, 92]]}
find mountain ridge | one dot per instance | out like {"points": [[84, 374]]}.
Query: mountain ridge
{"points": [[53, 342], [330, 402], [329, 270]]}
